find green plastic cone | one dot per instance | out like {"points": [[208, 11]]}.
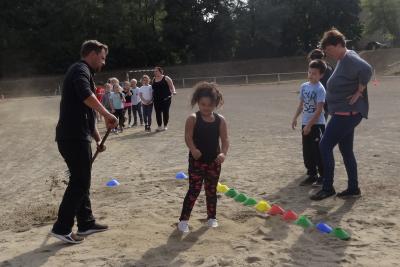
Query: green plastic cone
{"points": [[340, 233], [241, 198], [231, 193], [250, 202], [303, 221]]}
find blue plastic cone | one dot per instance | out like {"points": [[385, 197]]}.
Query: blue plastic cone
{"points": [[324, 228], [112, 183], [181, 175]]}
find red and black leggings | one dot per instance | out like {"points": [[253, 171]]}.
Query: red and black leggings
{"points": [[199, 172]]}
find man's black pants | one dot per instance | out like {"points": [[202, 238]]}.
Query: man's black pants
{"points": [[76, 201]]}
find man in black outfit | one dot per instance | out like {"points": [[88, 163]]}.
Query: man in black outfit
{"points": [[75, 129]]}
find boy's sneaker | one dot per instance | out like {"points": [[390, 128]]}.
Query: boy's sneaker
{"points": [[309, 180], [159, 129], [212, 223], [141, 124], [95, 228], [322, 194], [183, 226], [349, 194], [71, 238], [165, 128], [318, 182]]}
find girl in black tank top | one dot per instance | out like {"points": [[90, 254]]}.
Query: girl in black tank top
{"points": [[203, 132]]}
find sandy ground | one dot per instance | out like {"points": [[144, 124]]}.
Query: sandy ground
{"points": [[265, 161]]}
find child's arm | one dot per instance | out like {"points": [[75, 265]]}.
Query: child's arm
{"points": [[223, 134], [296, 115], [315, 117], [189, 126], [142, 98]]}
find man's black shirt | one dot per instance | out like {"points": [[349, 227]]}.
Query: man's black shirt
{"points": [[77, 120]]}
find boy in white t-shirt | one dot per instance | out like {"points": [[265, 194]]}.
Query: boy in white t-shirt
{"points": [[146, 95], [312, 99]]}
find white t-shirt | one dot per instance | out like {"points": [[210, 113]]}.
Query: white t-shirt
{"points": [[147, 92], [135, 96]]}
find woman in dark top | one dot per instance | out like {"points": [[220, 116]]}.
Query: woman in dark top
{"points": [[347, 99], [163, 89]]}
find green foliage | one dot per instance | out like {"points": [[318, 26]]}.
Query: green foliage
{"points": [[44, 36], [383, 15]]}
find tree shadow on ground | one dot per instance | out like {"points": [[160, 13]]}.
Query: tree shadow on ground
{"points": [[166, 253]]}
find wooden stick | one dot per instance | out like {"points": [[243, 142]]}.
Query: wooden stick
{"points": [[101, 144]]}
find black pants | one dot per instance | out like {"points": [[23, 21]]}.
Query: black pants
{"points": [[129, 109], [311, 153], [119, 113], [147, 111], [137, 109], [76, 201], [162, 111]]}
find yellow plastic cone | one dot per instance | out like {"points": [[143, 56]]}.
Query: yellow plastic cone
{"points": [[221, 188], [263, 206]]}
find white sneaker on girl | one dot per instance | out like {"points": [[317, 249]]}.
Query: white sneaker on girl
{"points": [[183, 226], [212, 223]]}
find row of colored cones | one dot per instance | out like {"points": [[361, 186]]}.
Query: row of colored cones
{"points": [[289, 215]]}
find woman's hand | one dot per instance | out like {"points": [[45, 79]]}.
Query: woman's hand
{"points": [[355, 97]]}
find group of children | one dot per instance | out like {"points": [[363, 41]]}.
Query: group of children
{"points": [[128, 99], [206, 137]]}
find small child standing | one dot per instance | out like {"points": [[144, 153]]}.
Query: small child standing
{"points": [[117, 99], [146, 95], [312, 99], [136, 103], [203, 132], [105, 101], [128, 102]]}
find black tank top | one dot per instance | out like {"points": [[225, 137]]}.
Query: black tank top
{"points": [[206, 137], [161, 90]]}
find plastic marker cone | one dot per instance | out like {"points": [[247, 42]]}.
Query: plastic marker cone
{"points": [[324, 228], [250, 202], [231, 193], [263, 206], [340, 233], [221, 188], [289, 215], [181, 175], [112, 183], [303, 221], [275, 210], [241, 198]]}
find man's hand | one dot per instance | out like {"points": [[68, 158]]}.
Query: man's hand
{"points": [[196, 154], [220, 158], [111, 121], [100, 148]]}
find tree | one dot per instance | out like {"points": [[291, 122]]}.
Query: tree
{"points": [[383, 15]]}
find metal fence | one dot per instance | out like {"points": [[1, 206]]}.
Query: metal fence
{"points": [[242, 79]]}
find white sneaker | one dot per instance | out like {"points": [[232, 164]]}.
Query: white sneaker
{"points": [[212, 223], [165, 128], [159, 129], [183, 226]]}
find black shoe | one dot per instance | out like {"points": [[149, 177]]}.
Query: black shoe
{"points": [[349, 194], [318, 182], [95, 228], [309, 180], [70, 238], [322, 194]]}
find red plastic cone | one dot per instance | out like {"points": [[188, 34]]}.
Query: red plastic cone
{"points": [[290, 216], [275, 210]]}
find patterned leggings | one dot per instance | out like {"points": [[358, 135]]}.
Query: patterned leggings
{"points": [[199, 171]]}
